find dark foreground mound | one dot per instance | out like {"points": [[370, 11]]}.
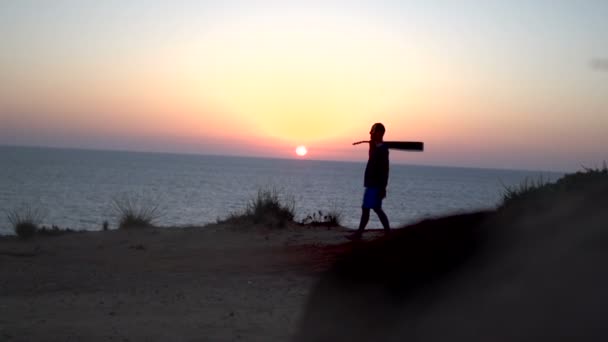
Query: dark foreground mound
{"points": [[534, 269]]}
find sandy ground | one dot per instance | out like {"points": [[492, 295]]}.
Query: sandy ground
{"points": [[218, 283]]}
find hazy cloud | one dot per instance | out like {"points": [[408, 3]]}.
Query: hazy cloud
{"points": [[600, 64]]}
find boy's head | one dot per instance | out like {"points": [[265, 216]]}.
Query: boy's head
{"points": [[376, 133]]}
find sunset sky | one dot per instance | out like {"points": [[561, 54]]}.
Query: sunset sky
{"points": [[500, 84]]}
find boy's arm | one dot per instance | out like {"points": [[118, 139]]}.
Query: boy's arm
{"points": [[384, 172]]}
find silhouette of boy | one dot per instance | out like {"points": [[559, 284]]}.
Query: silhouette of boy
{"points": [[375, 181]]}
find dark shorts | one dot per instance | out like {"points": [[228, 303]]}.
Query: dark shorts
{"points": [[371, 198]]}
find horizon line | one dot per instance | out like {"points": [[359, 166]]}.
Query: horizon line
{"points": [[185, 153]]}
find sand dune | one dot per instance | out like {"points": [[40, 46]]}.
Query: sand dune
{"points": [[536, 271]]}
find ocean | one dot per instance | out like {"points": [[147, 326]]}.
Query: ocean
{"points": [[75, 188]]}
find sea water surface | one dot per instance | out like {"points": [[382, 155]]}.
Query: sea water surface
{"points": [[75, 188]]}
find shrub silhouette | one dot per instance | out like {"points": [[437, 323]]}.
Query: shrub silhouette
{"points": [[266, 208], [135, 212], [25, 220], [328, 219], [541, 193]]}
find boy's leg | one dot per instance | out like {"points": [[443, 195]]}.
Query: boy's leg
{"points": [[383, 218], [370, 199], [364, 219]]}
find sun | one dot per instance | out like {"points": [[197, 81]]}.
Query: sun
{"points": [[301, 150]]}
